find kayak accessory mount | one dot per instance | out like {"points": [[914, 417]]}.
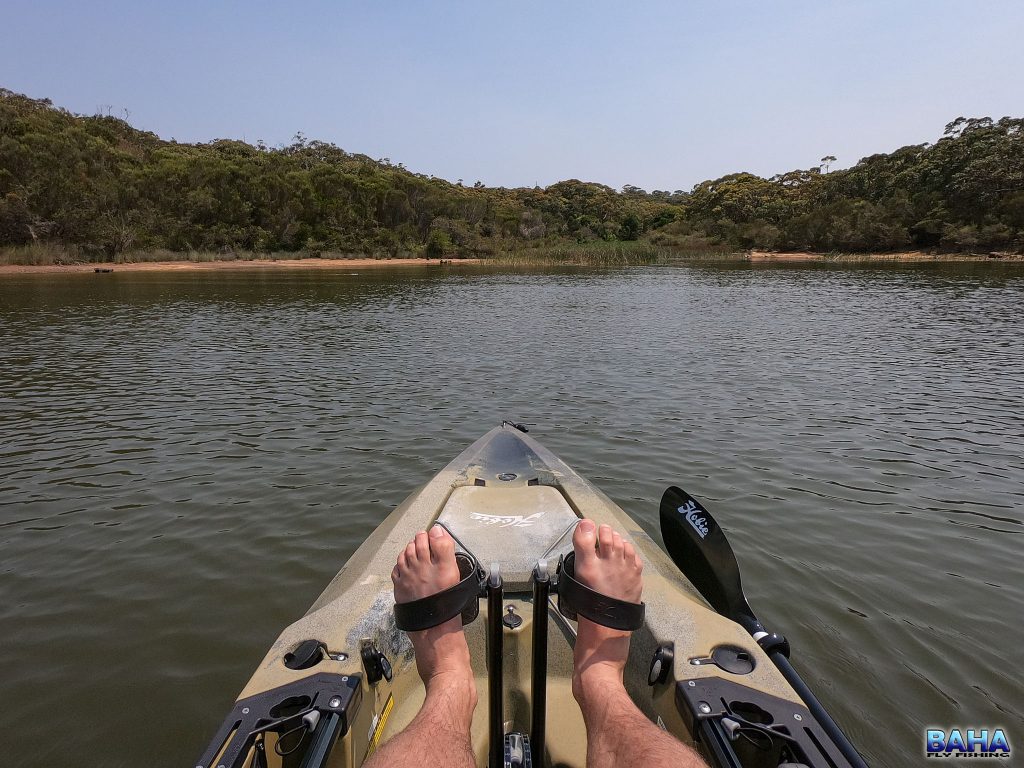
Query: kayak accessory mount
{"points": [[315, 707]]}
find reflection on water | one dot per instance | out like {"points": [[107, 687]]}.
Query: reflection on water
{"points": [[187, 458]]}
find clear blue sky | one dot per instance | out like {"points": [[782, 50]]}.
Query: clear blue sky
{"points": [[657, 94]]}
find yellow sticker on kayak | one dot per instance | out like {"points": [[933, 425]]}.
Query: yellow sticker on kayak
{"points": [[379, 721]]}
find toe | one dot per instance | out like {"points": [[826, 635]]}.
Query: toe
{"points": [[442, 547], [422, 543], [633, 558], [610, 547], [410, 554], [628, 553], [400, 566], [618, 546], [584, 541]]}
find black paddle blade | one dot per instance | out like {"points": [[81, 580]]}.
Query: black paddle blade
{"points": [[699, 548]]}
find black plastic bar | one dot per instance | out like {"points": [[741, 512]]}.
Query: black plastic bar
{"points": [[716, 745], [324, 737], [495, 651], [539, 686]]}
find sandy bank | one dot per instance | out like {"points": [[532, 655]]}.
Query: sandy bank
{"points": [[205, 266], [906, 256]]}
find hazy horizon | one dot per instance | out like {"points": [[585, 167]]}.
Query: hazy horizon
{"points": [[658, 96]]}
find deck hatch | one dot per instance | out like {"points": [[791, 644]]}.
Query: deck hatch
{"points": [[510, 525]]}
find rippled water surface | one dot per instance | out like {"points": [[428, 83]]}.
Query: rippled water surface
{"points": [[187, 458]]}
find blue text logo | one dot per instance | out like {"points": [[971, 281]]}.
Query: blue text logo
{"points": [[970, 742]]}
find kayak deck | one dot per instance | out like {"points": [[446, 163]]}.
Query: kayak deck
{"points": [[509, 501]]}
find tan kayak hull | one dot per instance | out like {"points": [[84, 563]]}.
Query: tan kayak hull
{"points": [[358, 605]]}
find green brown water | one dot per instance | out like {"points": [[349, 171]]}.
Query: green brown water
{"points": [[186, 459]]}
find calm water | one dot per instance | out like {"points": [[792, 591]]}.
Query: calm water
{"points": [[187, 459]]}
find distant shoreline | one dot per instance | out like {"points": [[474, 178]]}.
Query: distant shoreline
{"points": [[185, 265], [217, 266], [882, 258]]}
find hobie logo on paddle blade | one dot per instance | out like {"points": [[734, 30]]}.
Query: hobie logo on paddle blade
{"points": [[506, 521], [693, 516]]}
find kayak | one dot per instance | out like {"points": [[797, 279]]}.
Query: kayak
{"points": [[342, 679]]}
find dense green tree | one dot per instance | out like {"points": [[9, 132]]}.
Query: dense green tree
{"points": [[630, 228], [439, 244]]}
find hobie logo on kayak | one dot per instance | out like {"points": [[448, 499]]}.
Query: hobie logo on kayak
{"points": [[695, 518], [969, 742], [506, 521]]}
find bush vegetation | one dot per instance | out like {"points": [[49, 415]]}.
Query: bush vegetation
{"points": [[611, 254], [81, 188]]}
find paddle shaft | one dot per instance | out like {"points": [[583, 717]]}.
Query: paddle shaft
{"points": [[756, 629], [699, 548], [824, 719]]}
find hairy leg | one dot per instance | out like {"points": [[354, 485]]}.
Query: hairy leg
{"points": [[618, 733], [439, 734]]}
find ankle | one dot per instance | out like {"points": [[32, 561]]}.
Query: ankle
{"points": [[454, 692], [596, 681], [457, 679]]}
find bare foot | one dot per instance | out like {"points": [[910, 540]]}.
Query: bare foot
{"points": [[612, 568], [425, 567]]}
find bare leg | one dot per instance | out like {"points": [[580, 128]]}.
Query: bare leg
{"points": [[439, 734], [618, 734]]}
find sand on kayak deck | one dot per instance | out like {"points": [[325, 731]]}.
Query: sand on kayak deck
{"points": [[199, 266]]}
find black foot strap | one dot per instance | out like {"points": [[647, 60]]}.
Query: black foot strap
{"points": [[436, 609], [576, 598]]}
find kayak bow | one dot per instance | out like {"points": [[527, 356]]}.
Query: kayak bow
{"points": [[342, 679]]}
